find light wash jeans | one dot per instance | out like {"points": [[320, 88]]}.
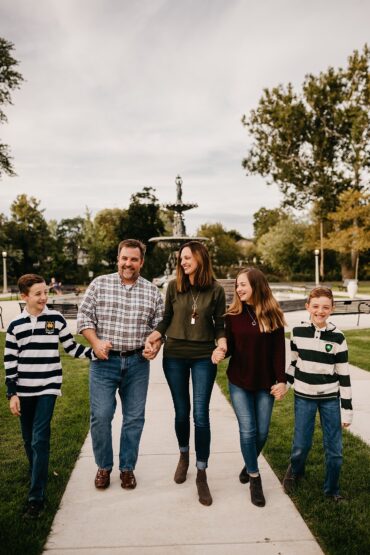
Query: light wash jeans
{"points": [[305, 413], [253, 410], [203, 374], [130, 376]]}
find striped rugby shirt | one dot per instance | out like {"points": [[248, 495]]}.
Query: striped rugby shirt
{"points": [[319, 365], [31, 356], [123, 315]]}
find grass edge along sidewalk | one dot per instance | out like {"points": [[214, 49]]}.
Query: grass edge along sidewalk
{"points": [[339, 529], [70, 425], [342, 528]]}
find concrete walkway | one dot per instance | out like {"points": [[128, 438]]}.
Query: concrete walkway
{"points": [[160, 517]]}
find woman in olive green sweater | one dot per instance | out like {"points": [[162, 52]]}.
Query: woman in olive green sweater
{"points": [[193, 325]]}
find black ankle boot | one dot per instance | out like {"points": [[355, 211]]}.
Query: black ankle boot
{"points": [[244, 476], [182, 467], [257, 496], [203, 490]]}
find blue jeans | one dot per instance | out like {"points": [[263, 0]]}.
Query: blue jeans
{"points": [[305, 413], [253, 410], [36, 415], [130, 376], [203, 374]]}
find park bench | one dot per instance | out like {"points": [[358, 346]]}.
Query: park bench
{"points": [[353, 306], [68, 310]]}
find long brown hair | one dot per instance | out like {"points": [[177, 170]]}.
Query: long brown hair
{"points": [[268, 312], [203, 277]]}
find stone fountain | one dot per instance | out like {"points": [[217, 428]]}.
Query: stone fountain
{"points": [[179, 236]]}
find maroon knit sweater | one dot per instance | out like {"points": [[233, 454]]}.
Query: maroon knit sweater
{"points": [[257, 359]]}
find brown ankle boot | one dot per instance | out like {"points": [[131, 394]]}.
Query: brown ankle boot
{"points": [[182, 467], [203, 490]]}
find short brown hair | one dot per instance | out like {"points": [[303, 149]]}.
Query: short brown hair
{"points": [[203, 277], [320, 291], [26, 281], [132, 244]]}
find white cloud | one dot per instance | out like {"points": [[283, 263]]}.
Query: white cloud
{"points": [[121, 95]]}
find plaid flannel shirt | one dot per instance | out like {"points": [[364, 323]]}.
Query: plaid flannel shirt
{"points": [[120, 314]]}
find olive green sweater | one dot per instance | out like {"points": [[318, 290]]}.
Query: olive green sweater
{"points": [[186, 340]]}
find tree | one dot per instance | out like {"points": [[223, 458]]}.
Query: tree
{"points": [[143, 221], [314, 144], [29, 234], [10, 79], [222, 247], [283, 249], [351, 234], [264, 219]]}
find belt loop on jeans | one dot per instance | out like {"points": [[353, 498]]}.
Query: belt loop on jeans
{"points": [[126, 353]]}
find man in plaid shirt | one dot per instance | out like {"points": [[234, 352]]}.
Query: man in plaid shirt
{"points": [[116, 316]]}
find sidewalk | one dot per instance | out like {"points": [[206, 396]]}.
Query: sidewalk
{"points": [[160, 517]]}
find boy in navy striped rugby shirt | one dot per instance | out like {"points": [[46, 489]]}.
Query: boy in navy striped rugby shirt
{"points": [[319, 373], [34, 377]]}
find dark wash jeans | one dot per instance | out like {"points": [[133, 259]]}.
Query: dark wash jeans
{"points": [[36, 415], [305, 413], [203, 374]]}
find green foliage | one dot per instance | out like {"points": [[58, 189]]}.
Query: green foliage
{"points": [[314, 143], [28, 237], [10, 79], [70, 425], [264, 219], [222, 247], [283, 248]]}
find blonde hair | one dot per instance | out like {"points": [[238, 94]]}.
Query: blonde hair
{"points": [[268, 312], [203, 277]]}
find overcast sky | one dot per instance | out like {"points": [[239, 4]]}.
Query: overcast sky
{"points": [[122, 94]]}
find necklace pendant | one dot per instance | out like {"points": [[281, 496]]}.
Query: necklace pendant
{"points": [[254, 323], [192, 321]]}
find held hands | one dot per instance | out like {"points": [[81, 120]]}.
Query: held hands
{"points": [[218, 355], [101, 349], [152, 345], [15, 405], [279, 390]]}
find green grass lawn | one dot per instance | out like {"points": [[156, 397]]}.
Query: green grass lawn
{"points": [[70, 425], [341, 529], [359, 347]]}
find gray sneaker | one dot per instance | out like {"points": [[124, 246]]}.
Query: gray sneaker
{"points": [[290, 480]]}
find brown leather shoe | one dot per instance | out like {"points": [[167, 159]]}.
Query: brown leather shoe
{"points": [[128, 480], [102, 478]]}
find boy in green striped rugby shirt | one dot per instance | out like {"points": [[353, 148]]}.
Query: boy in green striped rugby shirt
{"points": [[319, 373]]}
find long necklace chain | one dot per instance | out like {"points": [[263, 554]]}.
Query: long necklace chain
{"points": [[254, 323], [194, 314]]}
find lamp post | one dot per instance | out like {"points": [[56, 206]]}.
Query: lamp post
{"points": [[5, 279], [317, 280]]}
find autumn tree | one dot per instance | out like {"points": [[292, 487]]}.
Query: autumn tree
{"points": [[351, 234], [314, 143]]}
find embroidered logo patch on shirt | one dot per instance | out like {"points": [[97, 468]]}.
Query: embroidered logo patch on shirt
{"points": [[328, 348], [49, 327]]}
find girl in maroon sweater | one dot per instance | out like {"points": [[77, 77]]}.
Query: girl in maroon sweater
{"points": [[256, 372]]}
